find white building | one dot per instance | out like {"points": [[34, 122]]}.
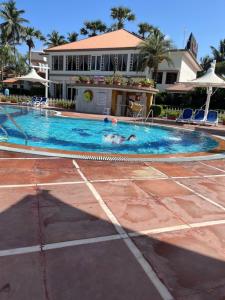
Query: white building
{"points": [[103, 55]]}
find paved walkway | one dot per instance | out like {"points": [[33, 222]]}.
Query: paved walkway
{"points": [[106, 230]]}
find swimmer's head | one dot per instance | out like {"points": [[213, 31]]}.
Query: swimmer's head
{"points": [[132, 137]]}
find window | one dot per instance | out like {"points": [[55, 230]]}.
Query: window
{"points": [[79, 62], [58, 89], [122, 62], [135, 62], [98, 63], [57, 63], [159, 77], [114, 62], [171, 77]]}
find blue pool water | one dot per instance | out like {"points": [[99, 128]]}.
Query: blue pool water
{"points": [[47, 131]]}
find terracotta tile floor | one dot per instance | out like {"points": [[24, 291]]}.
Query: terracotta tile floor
{"points": [[130, 231]]}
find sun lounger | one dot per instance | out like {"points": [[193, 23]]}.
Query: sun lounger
{"points": [[31, 102], [185, 116], [198, 117], [212, 118], [44, 101]]}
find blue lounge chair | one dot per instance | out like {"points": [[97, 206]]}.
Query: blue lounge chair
{"points": [[185, 116], [212, 118], [198, 117], [32, 101]]}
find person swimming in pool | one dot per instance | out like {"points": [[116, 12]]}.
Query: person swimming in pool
{"points": [[118, 139]]}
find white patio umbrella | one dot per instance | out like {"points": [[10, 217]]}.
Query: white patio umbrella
{"points": [[32, 76], [209, 81]]}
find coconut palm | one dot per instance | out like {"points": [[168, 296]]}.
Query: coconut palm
{"points": [[29, 35], [205, 62], [55, 39], [219, 54], [72, 37], [13, 22], [153, 51], [92, 28], [122, 14], [20, 65], [145, 29], [6, 57]]}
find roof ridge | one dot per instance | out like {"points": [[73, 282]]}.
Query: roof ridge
{"points": [[92, 37]]}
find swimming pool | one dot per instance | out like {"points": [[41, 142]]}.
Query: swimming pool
{"points": [[71, 134]]}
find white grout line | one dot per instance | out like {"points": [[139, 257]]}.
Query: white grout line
{"points": [[162, 289], [205, 224], [127, 179], [81, 242], [159, 230], [201, 196], [198, 176], [59, 245], [213, 167], [17, 251], [28, 158], [17, 185], [41, 184]]}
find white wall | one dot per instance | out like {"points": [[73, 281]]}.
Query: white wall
{"points": [[101, 99], [186, 71]]}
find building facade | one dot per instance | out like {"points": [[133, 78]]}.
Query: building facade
{"points": [[105, 55]]}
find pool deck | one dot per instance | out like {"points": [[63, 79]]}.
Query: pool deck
{"points": [[91, 230]]}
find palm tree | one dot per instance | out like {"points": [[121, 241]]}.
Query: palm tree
{"points": [[20, 65], [55, 39], [92, 28], [6, 57], [29, 35], [205, 62], [153, 51], [72, 37], [219, 54], [145, 28], [13, 22], [122, 14]]}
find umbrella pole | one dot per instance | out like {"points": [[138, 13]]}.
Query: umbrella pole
{"points": [[46, 86], [209, 94]]}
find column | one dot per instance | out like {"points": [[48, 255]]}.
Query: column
{"points": [[64, 90]]}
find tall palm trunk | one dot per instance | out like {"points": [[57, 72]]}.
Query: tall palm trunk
{"points": [[155, 75], [2, 70], [29, 56]]}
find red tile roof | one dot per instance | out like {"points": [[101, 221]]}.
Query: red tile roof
{"points": [[10, 80], [115, 39]]}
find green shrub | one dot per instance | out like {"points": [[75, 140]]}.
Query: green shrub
{"points": [[157, 110], [174, 114]]}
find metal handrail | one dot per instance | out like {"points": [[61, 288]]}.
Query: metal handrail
{"points": [[150, 112], [5, 131], [17, 125]]}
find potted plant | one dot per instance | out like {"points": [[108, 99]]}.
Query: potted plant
{"points": [[117, 79], [129, 82], [92, 81], [108, 80], [84, 79], [136, 83], [146, 82]]}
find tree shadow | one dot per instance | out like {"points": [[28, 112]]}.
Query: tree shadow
{"points": [[183, 260]]}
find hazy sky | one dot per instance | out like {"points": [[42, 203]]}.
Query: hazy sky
{"points": [[176, 18]]}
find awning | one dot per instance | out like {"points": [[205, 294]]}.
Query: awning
{"points": [[32, 76], [179, 88]]}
